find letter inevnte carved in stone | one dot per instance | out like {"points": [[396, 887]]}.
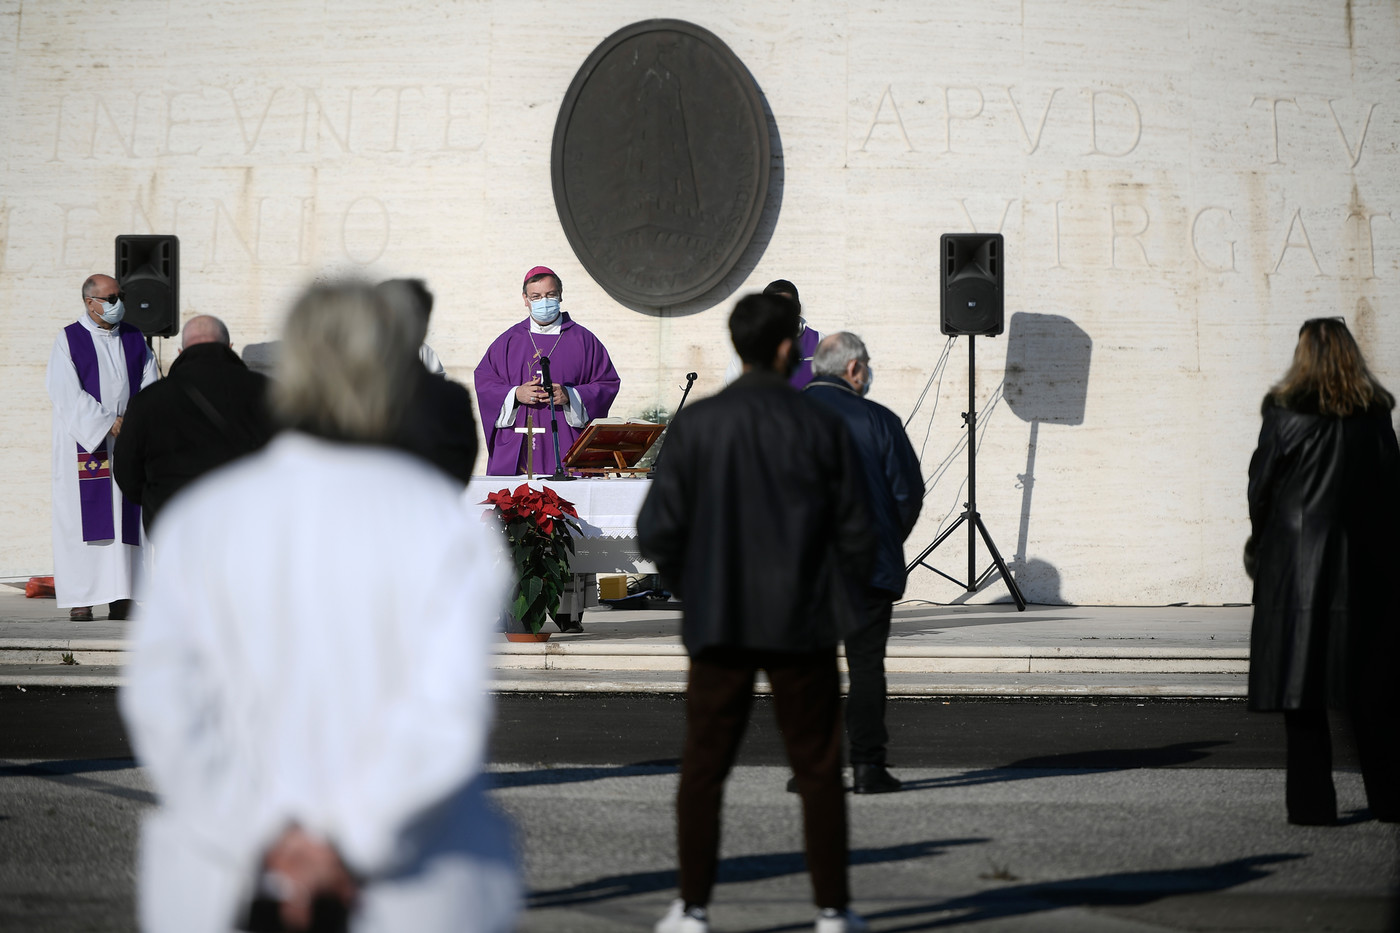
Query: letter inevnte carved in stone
{"points": [[5, 210], [171, 123], [1196, 240], [1361, 141], [972, 224], [248, 237], [1296, 223], [1123, 212], [381, 214], [1136, 134], [1273, 103], [1367, 223], [949, 116], [248, 143], [67, 236], [1032, 144], [311, 99], [897, 120], [398, 93], [127, 139], [452, 117]]}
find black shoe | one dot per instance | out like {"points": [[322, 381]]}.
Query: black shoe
{"points": [[874, 779], [569, 625], [118, 609], [792, 785], [1313, 819], [80, 614]]}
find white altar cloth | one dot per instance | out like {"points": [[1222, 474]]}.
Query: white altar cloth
{"points": [[607, 511]]}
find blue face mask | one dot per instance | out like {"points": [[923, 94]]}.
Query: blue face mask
{"points": [[545, 310], [869, 380], [112, 313]]}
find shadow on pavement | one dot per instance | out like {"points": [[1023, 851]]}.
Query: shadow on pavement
{"points": [[737, 869], [70, 773], [1094, 762], [536, 777], [1123, 889]]}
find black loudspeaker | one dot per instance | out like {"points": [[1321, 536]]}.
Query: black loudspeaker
{"points": [[148, 271], [972, 268]]}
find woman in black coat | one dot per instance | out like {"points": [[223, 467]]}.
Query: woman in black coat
{"points": [[1324, 503]]}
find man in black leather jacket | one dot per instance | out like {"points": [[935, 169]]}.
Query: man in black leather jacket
{"points": [[894, 490], [757, 519], [210, 409]]}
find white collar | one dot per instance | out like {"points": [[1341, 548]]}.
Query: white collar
{"points": [[96, 329], [547, 329]]}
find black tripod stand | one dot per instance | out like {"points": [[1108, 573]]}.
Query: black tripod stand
{"points": [[970, 514]]}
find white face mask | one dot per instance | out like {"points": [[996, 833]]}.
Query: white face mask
{"points": [[112, 313], [545, 310]]}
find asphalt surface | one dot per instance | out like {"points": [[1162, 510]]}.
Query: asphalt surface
{"points": [[1018, 817], [57, 723]]}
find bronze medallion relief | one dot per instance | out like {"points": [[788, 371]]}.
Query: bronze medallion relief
{"points": [[660, 162]]}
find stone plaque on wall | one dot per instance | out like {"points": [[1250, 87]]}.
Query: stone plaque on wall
{"points": [[660, 162]]}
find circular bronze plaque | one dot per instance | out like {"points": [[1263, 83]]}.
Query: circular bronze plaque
{"points": [[660, 162]]}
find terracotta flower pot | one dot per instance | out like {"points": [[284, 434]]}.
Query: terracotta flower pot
{"points": [[526, 636]]}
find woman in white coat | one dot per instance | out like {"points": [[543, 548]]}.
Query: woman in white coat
{"points": [[307, 686]]}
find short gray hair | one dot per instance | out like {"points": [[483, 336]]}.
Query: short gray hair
{"points": [[347, 364], [411, 298], [835, 351]]}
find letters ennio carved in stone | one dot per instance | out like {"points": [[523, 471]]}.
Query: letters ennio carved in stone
{"points": [[660, 162]]}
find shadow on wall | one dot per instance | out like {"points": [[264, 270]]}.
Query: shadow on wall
{"points": [[758, 243], [1046, 382]]}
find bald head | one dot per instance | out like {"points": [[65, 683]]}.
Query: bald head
{"points": [[204, 328]]}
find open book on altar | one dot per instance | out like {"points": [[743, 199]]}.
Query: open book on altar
{"points": [[612, 445]]}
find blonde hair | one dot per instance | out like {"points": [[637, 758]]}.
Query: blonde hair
{"points": [[346, 366], [1328, 367]]}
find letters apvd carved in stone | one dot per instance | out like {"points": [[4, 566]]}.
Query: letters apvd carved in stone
{"points": [[660, 162]]}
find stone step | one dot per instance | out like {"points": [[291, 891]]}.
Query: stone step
{"points": [[564, 655]]}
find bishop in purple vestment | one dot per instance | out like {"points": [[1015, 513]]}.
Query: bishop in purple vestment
{"points": [[510, 390]]}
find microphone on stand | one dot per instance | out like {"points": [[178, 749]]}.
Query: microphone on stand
{"points": [[689, 381], [559, 474]]}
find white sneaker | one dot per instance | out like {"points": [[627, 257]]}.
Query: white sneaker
{"points": [[678, 921], [841, 921]]}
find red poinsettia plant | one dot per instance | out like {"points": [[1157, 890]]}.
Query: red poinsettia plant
{"points": [[540, 529]]}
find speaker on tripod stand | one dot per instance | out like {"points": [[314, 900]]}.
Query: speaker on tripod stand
{"points": [[972, 267]]}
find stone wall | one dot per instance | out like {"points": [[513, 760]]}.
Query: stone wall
{"points": [[1180, 185]]}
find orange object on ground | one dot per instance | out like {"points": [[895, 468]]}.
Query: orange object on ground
{"points": [[39, 588]]}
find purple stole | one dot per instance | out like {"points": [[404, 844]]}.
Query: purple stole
{"points": [[94, 467], [806, 348]]}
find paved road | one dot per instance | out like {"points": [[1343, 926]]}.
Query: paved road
{"points": [[53, 723], [1021, 816]]}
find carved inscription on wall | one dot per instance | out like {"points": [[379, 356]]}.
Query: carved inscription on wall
{"points": [[1102, 129]]}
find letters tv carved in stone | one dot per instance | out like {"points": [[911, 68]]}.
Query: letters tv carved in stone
{"points": [[660, 162]]}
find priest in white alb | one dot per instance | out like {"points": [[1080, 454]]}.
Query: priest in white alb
{"points": [[98, 363]]}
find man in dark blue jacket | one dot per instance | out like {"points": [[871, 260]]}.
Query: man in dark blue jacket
{"points": [[894, 488]]}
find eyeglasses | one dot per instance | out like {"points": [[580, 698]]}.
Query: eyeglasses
{"points": [[109, 299]]}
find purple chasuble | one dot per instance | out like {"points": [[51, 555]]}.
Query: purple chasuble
{"points": [[576, 359], [94, 467], [807, 347]]}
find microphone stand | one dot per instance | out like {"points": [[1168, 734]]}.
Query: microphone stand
{"points": [[689, 381], [559, 475]]}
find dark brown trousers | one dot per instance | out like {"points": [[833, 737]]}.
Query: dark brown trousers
{"points": [[807, 700]]}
